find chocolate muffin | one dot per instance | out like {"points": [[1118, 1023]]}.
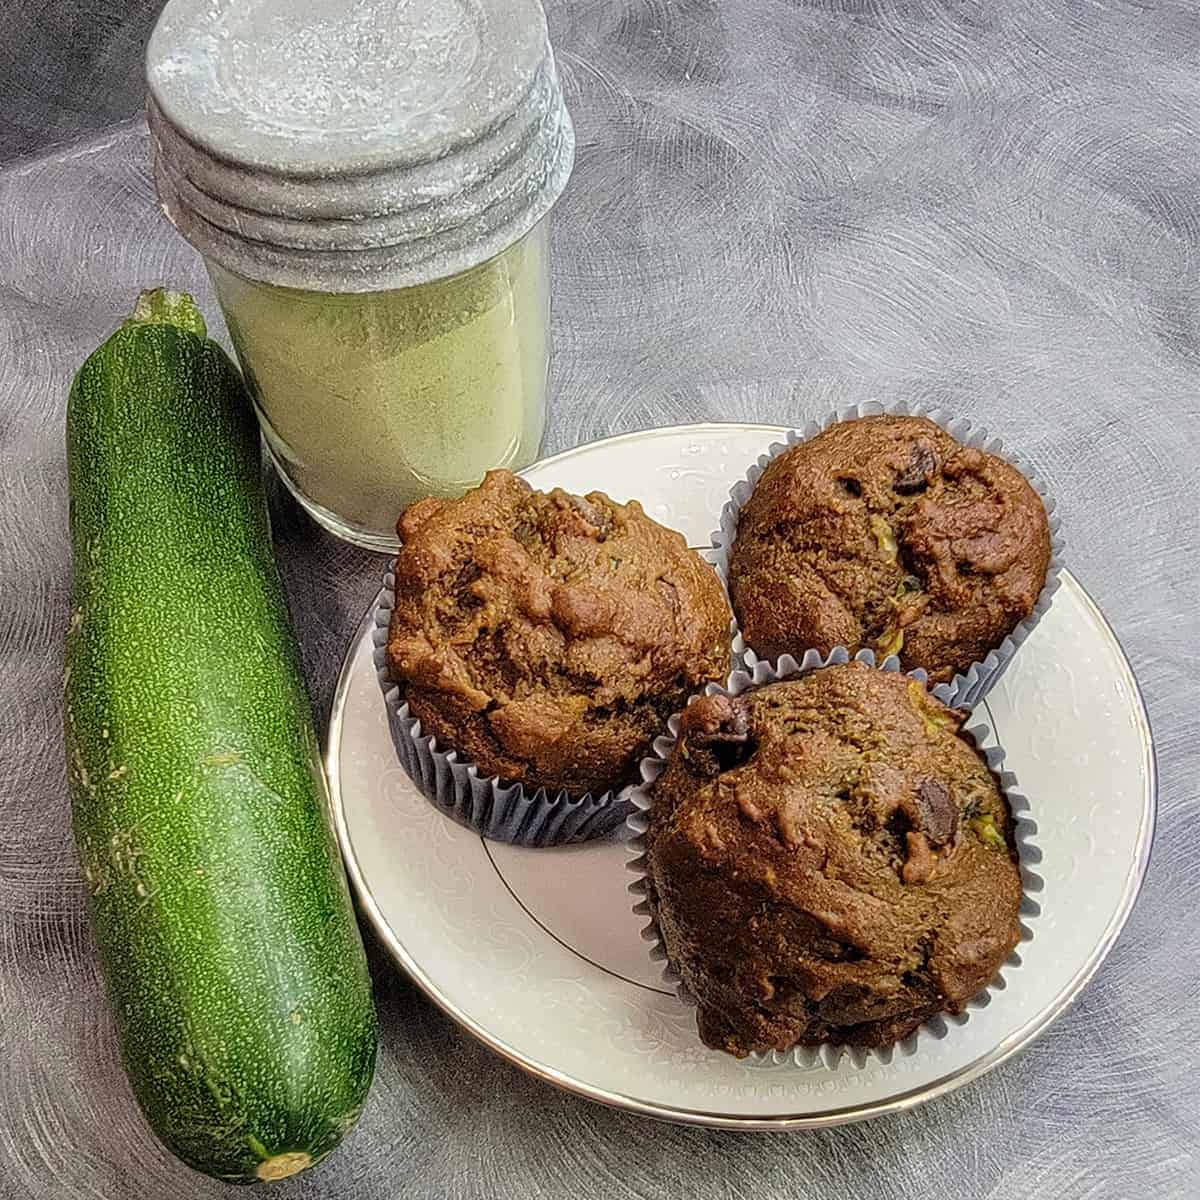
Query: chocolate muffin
{"points": [[884, 532], [548, 637], [829, 860]]}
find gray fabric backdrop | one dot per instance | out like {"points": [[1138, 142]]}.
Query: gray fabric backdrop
{"points": [[777, 206]]}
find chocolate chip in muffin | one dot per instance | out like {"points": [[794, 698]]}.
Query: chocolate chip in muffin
{"points": [[548, 637], [885, 533], [848, 875], [715, 734], [922, 466]]}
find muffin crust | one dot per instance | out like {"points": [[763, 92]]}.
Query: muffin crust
{"points": [[829, 860], [883, 532], [548, 637]]}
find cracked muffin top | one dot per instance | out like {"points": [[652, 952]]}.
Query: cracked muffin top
{"points": [[885, 533], [549, 637], [829, 860]]}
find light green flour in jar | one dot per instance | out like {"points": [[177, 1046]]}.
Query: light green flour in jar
{"points": [[372, 400]]}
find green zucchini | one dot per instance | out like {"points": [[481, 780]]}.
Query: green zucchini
{"points": [[232, 959]]}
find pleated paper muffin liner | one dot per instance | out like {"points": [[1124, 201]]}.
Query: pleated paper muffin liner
{"points": [[504, 812], [965, 690], [1025, 831]]}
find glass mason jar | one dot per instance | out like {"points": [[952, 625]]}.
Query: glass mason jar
{"points": [[369, 401], [371, 201]]}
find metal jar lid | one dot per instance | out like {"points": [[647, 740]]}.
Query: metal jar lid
{"points": [[355, 145]]}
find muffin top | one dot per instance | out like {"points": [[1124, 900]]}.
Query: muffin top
{"points": [[829, 860], [883, 532], [548, 637]]}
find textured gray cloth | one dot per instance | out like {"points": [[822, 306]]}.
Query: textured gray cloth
{"points": [[68, 67], [776, 207]]}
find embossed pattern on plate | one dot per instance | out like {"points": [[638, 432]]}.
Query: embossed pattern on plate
{"points": [[537, 952]]}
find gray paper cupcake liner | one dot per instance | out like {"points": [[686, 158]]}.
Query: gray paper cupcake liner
{"points": [[836, 1058], [965, 690], [504, 812]]}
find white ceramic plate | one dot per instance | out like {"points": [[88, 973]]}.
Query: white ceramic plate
{"points": [[538, 952]]}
